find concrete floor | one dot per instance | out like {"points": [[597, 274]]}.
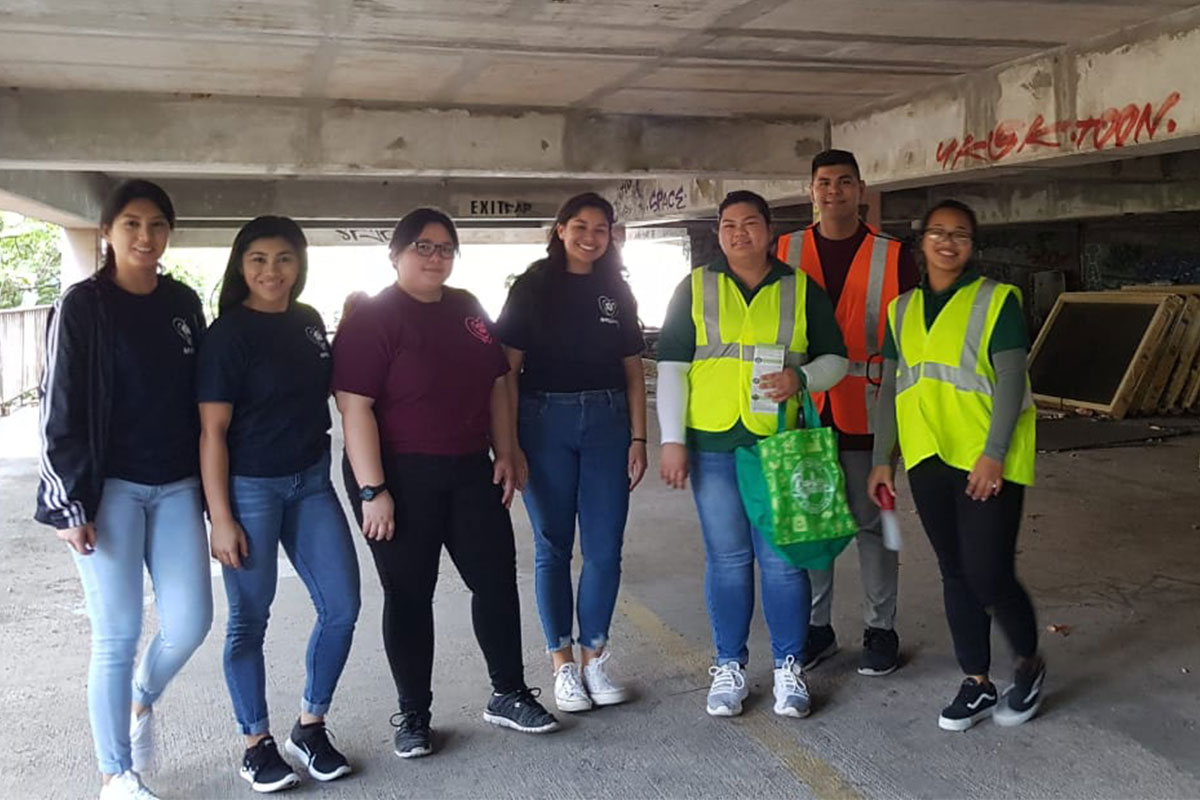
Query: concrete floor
{"points": [[1111, 548]]}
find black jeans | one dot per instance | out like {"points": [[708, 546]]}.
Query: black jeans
{"points": [[975, 544], [450, 501]]}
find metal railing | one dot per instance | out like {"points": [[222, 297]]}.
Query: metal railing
{"points": [[22, 351]]}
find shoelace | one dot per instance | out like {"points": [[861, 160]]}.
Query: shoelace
{"points": [[140, 792], [596, 673], [570, 679], [320, 743], [792, 684], [727, 678], [408, 722]]}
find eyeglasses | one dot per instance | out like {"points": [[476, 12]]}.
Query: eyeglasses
{"points": [[426, 248], [937, 236]]}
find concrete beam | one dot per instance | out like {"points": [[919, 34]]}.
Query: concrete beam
{"points": [[363, 235], [70, 199], [337, 201], [1049, 201], [1133, 93], [201, 134]]}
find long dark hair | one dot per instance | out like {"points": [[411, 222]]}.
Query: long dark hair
{"points": [[555, 262], [120, 197], [234, 290]]}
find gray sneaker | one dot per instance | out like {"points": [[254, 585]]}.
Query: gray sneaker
{"points": [[728, 690], [791, 692]]}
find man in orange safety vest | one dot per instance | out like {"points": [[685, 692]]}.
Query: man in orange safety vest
{"points": [[862, 270]]}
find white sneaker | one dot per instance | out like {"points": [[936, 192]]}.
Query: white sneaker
{"points": [[141, 741], [569, 693], [126, 786], [728, 690], [601, 688], [791, 692]]}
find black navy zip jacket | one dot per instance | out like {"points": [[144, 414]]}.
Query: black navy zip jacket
{"points": [[77, 396]]}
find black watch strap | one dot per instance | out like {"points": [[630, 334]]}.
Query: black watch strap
{"points": [[369, 493]]}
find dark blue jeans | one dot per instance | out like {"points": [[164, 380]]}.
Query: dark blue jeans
{"points": [[302, 513], [577, 446]]}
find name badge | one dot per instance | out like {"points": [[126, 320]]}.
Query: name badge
{"points": [[768, 358]]}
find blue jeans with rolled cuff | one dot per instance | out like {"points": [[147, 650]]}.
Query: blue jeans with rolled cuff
{"points": [[301, 512], [577, 446]]}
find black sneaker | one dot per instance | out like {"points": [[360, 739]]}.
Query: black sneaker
{"points": [[973, 703], [265, 769], [413, 738], [310, 744], [820, 645], [1023, 699], [880, 653], [520, 711]]}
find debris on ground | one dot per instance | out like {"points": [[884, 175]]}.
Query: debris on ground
{"points": [[1061, 630]]}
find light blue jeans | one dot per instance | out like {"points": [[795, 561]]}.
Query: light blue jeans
{"points": [[302, 513], [163, 528], [731, 547]]}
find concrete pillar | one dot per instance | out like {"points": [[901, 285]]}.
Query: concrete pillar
{"points": [[82, 254], [703, 245]]}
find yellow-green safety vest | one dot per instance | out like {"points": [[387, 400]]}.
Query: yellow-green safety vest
{"points": [[727, 331], [945, 383]]}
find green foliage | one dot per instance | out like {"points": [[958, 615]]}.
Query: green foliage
{"points": [[204, 279], [30, 260]]}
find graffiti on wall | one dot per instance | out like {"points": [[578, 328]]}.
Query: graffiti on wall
{"points": [[636, 199], [364, 235], [1114, 127]]}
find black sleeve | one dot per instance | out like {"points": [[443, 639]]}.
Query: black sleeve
{"points": [[67, 467], [514, 326], [631, 327], [222, 363]]}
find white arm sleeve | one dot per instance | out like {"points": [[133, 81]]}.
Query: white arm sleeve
{"points": [[822, 373], [672, 401]]}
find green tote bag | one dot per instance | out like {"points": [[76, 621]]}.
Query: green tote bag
{"points": [[794, 492]]}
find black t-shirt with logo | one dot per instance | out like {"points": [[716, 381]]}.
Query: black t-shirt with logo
{"points": [[275, 370], [155, 428], [575, 330]]}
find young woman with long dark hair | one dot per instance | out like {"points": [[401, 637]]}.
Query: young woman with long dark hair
{"points": [[263, 389], [574, 345], [956, 395], [120, 472]]}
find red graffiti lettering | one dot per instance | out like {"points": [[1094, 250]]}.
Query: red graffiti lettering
{"points": [[1115, 127]]}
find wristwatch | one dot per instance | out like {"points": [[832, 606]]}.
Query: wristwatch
{"points": [[369, 493]]}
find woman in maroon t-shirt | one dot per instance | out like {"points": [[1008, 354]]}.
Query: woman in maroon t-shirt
{"points": [[419, 379]]}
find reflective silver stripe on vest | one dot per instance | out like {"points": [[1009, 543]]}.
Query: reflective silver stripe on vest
{"points": [[857, 369], [964, 376], [879, 249], [906, 376], [711, 283], [787, 309], [795, 251], [717, 350]]}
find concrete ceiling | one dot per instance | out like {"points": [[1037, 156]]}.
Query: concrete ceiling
{"points": [[806, 58]]}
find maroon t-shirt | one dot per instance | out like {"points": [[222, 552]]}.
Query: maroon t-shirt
{"points": [[836, 257], [430, 368]]}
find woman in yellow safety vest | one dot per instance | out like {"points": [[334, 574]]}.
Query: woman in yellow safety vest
{"points": [[745, 305], [956, 391]]}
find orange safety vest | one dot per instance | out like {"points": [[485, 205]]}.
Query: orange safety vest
{"points": [[872, 283]]}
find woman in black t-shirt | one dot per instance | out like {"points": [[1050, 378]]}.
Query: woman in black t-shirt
{"points": [[263, 389], [572, 337], [119, 472]]}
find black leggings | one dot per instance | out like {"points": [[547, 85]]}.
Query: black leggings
{"points": [[975, 544], [451, 501]]}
